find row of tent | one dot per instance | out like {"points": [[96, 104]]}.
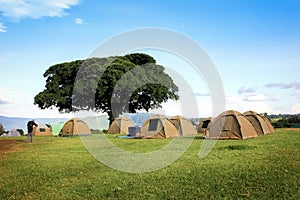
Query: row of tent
{"points": [[232, 124], [157, 126], [228, 125], [71, 127]]}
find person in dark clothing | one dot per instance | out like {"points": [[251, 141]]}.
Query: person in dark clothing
{"points": [[30, 130]]}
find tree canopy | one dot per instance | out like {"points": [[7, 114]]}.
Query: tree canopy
{"points": [[114, 85]]}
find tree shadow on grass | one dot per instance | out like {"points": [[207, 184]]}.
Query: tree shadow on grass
{"points": [[237, 147]]}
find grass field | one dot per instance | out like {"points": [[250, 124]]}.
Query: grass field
{"points": [[267, 167]]}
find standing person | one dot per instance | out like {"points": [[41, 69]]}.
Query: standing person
{"points": [[30, 126]]}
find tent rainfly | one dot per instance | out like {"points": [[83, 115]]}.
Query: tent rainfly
{"points": [[259, 123], [75, 126], [120, 125], [56, 128], [183, 125], [158, 126], [231, 125]]}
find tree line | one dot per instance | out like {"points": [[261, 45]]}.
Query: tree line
{"points": [[285, 120]]}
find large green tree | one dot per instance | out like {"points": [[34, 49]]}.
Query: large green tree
{"points": [[114, 85]]}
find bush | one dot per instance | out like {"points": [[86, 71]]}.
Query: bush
{"points": [[285, 120]]}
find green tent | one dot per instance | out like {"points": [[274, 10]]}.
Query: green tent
{"points": [[56, 128]]}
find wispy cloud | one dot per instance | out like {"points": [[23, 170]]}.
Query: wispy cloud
{"points": [[295, 85], [274, 98], [255, 97], [78, 21], [18, 9], [201, 94], [3, 28], [244, 90], [260, 97]]}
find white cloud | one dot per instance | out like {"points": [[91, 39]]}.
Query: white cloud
{"points": [[30, 111], [296, 108], [18, 9], [3, 28], [2, 102], [78, 21], [254, 103], [274, 98], [12, 105], [254, 97], [188, 108]]}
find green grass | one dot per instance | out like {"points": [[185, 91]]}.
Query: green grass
{"points": [[267, 167]]}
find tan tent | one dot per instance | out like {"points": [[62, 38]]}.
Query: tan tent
{"points": [[269, 123], [158, 126], [75, 126], [231, 125], [261, 125], [183, 125], [42, 130], [204, 124], [120, 125]]}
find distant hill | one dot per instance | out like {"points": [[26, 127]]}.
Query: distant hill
{"points": [[98, 122], [20, 123], [94, 122]]}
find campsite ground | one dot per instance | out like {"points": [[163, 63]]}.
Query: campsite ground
{"points": [[267, 167]]}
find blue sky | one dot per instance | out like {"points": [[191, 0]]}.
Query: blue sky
{"points": [[255, 45]]}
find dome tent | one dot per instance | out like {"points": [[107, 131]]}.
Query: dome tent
{"points": [[204, 124], [12, 133], [183, 125], [75, 126], [42, 130], [269, 123], [231, 125], [120, 125], [158, 126], [259, 123]]}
